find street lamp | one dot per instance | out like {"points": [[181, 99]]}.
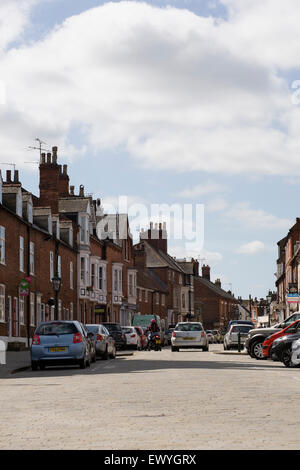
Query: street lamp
{"points": [[269, 300], [56, 282]]}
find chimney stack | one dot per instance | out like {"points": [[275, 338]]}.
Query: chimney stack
{"points": [[206, 272], [16, 176], [218, 283]]}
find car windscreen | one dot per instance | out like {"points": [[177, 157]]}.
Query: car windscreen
{"points": [[92, 328], [188, 327], [56, 329], [127, 331], [242, 329], [113, 327]]}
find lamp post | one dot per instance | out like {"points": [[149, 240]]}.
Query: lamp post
{"points": [[269, 300], [56, 282]]}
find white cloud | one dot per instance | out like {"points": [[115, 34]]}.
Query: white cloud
{"points": [[207, 257], [251, 248], [177, 90], [202, 190], [256, 219], [216, 205]]}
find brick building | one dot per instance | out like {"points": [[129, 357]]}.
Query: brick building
{"points": [[218, 306], [31, 252]]}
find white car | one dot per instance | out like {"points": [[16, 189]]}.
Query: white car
{"points": [[132, 337], [189, 335], [231, 339]]}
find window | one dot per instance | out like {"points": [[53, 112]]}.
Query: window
{"points": [[82, 270], [51, 265], [146, 296], [163, 299], [2, 303], [84, 229], [30, 212], [2, 245], [31, 258], [59, 266], [157, 298], [21, 253], [101, 278], [183, 300], [140, 295], [59, 309], [38, 309], [21, 310], [93, 274], [71, 275], [32, 309], [71, 311]]}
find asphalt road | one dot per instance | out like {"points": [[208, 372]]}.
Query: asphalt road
{"points": [[154, 400]]}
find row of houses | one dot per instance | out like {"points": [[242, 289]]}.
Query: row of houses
{"points": [[62, 257]]}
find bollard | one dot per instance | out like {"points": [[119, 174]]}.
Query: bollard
{"points": [[239, 341]]}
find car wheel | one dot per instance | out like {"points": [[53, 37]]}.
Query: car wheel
{"points": [[42, 366], [257, 350], [82, 363], [34, 365], [286, 357], [174, 349], [113, 354], [105, 355], [206, 348]]}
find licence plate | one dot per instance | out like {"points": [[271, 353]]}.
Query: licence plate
{"points": [[189, 338], [57, 349]]}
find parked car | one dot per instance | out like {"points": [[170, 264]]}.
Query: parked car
{"points": [[257, 336], [142, 336], [231, 338], [291, 329], [104, 342], [60, 343], [238, 322], [115, 331], [281, 349], [132, 337], [189, 335]]}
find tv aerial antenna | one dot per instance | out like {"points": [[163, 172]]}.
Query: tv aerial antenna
{"points": [[39, 148]]}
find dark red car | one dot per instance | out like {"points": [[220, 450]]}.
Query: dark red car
{"points": [[289, 330]]}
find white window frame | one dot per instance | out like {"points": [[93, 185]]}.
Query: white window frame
{"points": [[71, 275], [59, 265], [31, 258], [2, 244], [2, 303], [32, 309], [21, 310], [51, 265], [21, 254]]}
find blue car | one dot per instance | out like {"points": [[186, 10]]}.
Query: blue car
{"points": [[60, 343]]}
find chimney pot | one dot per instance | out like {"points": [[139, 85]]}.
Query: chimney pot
{"points": [[54, 154], [65, 168], [8, 176], [81, 190], [43, 158], [16, 176], [72, 190], [48, 157]]}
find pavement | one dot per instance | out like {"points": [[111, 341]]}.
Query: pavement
{"points": [[15, 362]]}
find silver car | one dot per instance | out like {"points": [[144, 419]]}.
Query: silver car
{"points": [[231, 339], [105, 344], [189, 335]]}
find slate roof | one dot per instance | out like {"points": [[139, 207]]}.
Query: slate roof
{"points": [[74, 204], [160, 259], [148, 280], [217, 290]]}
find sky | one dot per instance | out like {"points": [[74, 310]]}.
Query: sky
{"points": [[174, 102]]}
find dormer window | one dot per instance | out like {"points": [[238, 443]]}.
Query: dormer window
{"points": [[84, 229]]}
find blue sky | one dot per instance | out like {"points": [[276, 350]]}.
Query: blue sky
{"points": [[164, 106]]}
